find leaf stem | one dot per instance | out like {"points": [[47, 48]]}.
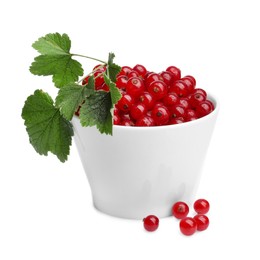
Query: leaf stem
{"points": [[84, 56]]}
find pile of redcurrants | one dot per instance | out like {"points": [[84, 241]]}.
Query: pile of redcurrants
{"points": [[155, 99]]}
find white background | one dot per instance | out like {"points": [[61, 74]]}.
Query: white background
{"points": [[46, 207]]}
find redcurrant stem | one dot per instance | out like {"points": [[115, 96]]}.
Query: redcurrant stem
{"points": [[79, 55]]}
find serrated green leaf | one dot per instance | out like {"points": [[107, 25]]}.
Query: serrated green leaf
{"points": [[48, 130], [53, 44], [114, 91], [112, 68], [90, 86], [56, 60], [71, 96], [96, 111], [111, 57]]}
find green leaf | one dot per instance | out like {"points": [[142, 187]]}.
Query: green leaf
{"points": [[48, 130], [71, 96], [114, 91], [96, 111], [53, 44], [56, 60], [112, 68]]}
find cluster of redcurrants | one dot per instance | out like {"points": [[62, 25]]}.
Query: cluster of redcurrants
{"points": [[154, 99], [180, 210]]}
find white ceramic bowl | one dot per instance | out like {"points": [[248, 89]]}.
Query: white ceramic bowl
{"points": [[143, 170]]}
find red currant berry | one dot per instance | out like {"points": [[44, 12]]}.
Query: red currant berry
{"points": [[211, 103], [140, 69], [171, 99], [145, 121], [116, 120], [125, 70], [151, 78], [202, 222], [103, 87], [125, 103], [147, 99], [190, 82], [190, 115], [99, 78], [177, 120], [180, 210], [184, 102], [201, 206], [158, 89], [204, 108], [137, 111], [188, 226], [127, 122], [121, 82], [175, 72], [99, 67], [151, 223], [179, 87], [160, 115], [85, 81], [191, 78], [178, 111], [135, 86], [195, 99], [201, 91], [133, 74], [167, 77]]}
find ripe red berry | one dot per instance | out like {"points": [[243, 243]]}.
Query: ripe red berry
{"points": [[167, 77], [121, 82], [133, 74], [125, 70], [147, 99], [204, 108], [176, 120], [135, 86], [180, 210], [178, 111], [175, 72], [180, 88], [99, 78], [170, 99], [140, 69], [116, 119], [190, 82], [137, 111], [201, 206], [202, 222], [145, 121], [158, 89], [85, 80], [188, 226], [125, 103], [151, 223], [160, 115], [201, 91], [151, 78], [190, 115], [195, 99]]}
